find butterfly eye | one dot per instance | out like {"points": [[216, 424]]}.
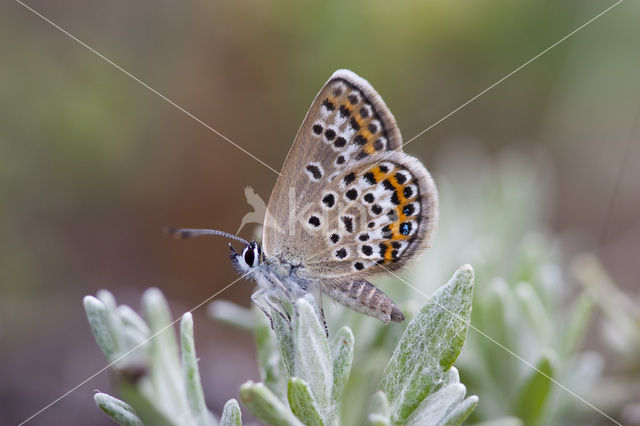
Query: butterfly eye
{"points": [[248, 255]]}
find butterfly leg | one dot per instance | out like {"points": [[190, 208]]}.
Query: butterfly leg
{"points": [[280, 310], [324, 322], [281, 303], [318, 297], [316, 294], [257, 298]]}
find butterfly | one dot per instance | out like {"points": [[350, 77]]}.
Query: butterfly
{"points": [[348, 205]]}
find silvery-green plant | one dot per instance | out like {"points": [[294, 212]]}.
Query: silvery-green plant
{"points": [[160, 384], [303, 374]]}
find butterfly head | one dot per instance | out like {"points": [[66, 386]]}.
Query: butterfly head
{"points": [[249, 259], [244, 262]]}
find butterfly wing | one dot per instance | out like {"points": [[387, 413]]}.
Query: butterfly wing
{"points": [[349, 203], [327, 143], [385, 214]]}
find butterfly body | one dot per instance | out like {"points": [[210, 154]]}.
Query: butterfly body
{"points": [[348, 204]]}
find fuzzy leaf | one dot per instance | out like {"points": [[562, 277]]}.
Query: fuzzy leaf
{"points": [[149, 407], [272, 372], [191, 373], [266, 406], [435, 407], [535, 393], [312, 358], [429, 346], [115, 324], [131, 319], [461, 412], [231, 414], [379, 411], [119, 411], [285, 340], [97, 316], [342, 355], [302, 402], [165, 369]]}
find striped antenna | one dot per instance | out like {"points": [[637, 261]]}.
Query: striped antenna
{"points": [[182, 233]]}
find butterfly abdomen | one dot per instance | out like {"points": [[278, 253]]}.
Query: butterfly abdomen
{"points": [[364, 297]]}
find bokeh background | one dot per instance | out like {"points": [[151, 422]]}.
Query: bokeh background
{"points": [[93, 166]]}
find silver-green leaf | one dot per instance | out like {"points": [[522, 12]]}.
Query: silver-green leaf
{"points": [[231, 414], [302, 402], [342, 347], [379, 412], [429, 346], [119, 411], [266, 406], [312, 357], [191, 373]]}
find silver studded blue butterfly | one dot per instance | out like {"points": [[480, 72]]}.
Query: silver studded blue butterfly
{"points": [[348, 204]]}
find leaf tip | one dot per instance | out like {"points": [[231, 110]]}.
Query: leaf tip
{"points": [[92, 304], [186, 323]]}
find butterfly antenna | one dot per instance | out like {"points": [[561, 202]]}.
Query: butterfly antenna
{"points": [[182, 233]]}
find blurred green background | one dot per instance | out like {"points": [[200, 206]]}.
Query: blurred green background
{"points": [[93, 165]]}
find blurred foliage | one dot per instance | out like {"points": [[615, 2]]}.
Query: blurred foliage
{"points": [[304, 372]]}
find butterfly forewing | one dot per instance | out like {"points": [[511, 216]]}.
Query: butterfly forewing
{"points": [[348, 202]]}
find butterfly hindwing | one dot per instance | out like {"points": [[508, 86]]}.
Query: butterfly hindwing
{"points": [[384, 214]]}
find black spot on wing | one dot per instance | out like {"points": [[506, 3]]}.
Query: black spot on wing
{"points": [[408, 210], [340, 142], [329, 134], [348, 223], [329, 200], [315, 171], [315, 221], [408, 192], [361, 155], [328, 105], [370, 178], [348, 179], [360, 140], [400, 178]]}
